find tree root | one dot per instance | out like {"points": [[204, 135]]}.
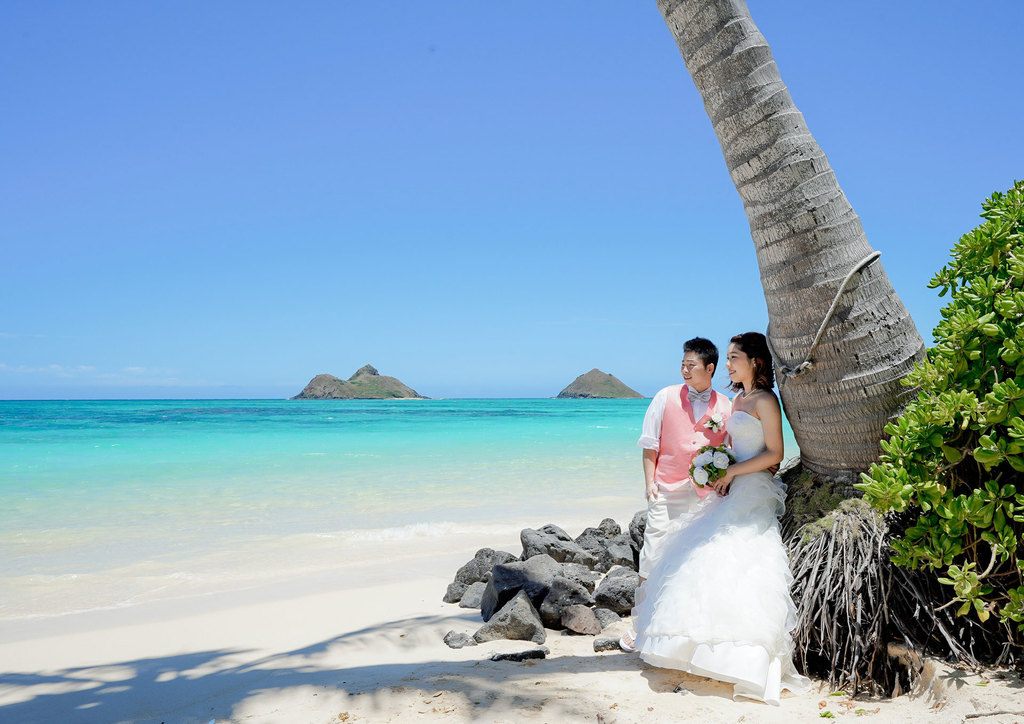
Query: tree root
{"points": [[852, 602]]}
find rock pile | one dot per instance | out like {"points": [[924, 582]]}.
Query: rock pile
{"points": [[580, 585]]}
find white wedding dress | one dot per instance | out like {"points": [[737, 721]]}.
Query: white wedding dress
{"points": [[717, 602]]}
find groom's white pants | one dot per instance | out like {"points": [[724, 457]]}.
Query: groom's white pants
{"points": [[667, 507]]}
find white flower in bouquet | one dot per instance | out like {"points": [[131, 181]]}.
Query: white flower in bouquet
{"points": [[700, 476], [703, 459], [720, 460]]}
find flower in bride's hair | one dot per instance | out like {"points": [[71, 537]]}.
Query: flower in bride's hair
{"points": [[720, 460], [700, 476]]}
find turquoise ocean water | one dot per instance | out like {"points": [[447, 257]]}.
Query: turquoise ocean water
{"points": [[141, 488]]}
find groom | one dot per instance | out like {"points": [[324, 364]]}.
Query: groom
{"points": [[680, 420]]}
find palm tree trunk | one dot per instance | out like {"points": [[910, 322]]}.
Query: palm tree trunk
{"points": [[807, 238]]}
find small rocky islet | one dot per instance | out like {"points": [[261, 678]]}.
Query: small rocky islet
{"points": [[366, 384], [580, 585], [597, 384], [369, 384]]}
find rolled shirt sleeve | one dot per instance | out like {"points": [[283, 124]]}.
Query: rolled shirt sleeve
{"points": [[650, 434]]}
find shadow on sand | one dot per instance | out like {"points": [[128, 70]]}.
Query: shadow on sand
{"points": [[219, 684]]}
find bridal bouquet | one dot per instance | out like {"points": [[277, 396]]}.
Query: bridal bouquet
{"points": [[710, 464]]}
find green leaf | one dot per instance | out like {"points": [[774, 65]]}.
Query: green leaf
{"points": [[966, 406], [952, 454], [986, 457]]}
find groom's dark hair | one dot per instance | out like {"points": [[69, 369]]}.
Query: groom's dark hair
{"points": [[703, 348]]}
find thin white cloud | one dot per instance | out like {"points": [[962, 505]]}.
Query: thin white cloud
{"points": [[126, 376], [52, 370]]}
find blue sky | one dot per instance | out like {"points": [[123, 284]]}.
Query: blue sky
{"points": [[221, 200]]}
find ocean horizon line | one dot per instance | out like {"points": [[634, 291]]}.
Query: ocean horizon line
{"points": [[289, 399]]}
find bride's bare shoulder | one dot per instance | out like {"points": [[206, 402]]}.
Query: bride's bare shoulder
{"points": [[767, 403]]}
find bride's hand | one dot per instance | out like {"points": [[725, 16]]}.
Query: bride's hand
{"points": [[722, 484]]}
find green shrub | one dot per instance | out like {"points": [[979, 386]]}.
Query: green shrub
{"points": [[953, 461]]}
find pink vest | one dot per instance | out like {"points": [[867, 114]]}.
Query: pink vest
{"points": [[682, 437]]}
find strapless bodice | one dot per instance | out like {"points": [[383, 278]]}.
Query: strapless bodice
{"points": [[747, 435]]}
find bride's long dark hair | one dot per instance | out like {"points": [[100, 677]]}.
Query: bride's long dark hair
{"points": [[755, 346]]}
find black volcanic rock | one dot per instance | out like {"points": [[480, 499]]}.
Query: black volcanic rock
{"points": [[478, 569], [518, 656], [366, 384], [610, 548], [556, 543], [534, 576], [580, 619], [458, 639], [516, 620], [562, 594], [618, 591], [473, 595], [598, 384], [606, 617], [636, 535], [582, 575]]}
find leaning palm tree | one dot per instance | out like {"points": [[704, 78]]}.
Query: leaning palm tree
{"points": [[808, 239], [840, 335]]}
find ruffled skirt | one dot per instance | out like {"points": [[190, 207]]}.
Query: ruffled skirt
{"points": [[717, 602]]}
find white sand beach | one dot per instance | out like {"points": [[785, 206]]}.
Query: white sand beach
{"points": [[369, 648]]}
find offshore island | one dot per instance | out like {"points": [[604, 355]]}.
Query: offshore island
{"points": [[369, 384], [598, 385], [366, 384]]}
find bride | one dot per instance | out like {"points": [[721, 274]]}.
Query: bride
{"points": [[717, 602]]}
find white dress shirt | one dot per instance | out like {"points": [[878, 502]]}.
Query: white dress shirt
{"points": [[650, 434]]}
